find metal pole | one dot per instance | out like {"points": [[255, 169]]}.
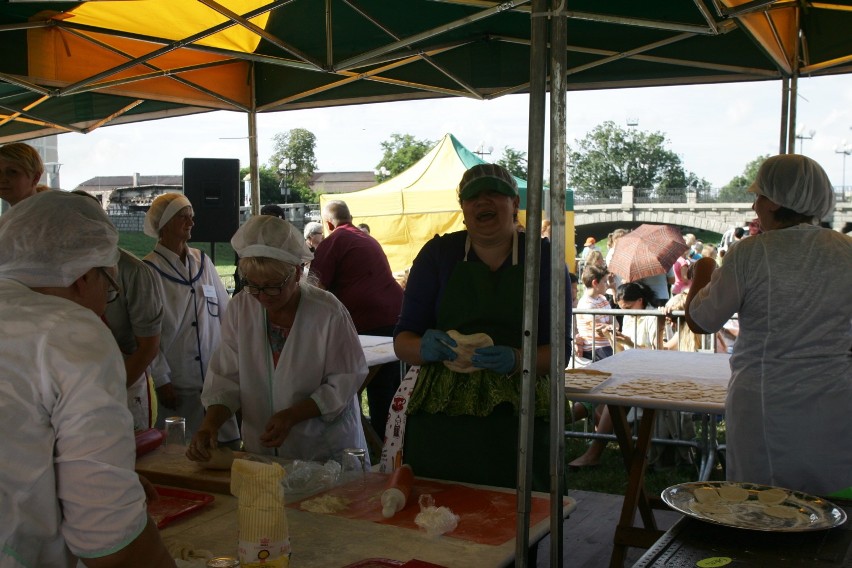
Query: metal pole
{"points": [[785, 110], [794, 95], [791, 138], [252, 129], [535, 173], [558, 148]]}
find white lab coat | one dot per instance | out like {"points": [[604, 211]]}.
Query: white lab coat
{"points": [[194, 302], [67, 485], [789, 407], [322, 359]]}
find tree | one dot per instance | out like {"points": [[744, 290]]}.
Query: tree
{"points": [[610, 157], [295, 149], [515, 161], [401, 151], [735, 190]]}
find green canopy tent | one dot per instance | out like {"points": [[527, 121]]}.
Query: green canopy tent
{"points": [[77, 66]]}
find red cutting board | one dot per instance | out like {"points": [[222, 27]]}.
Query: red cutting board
{"points": [[486, 516], [173, 504]]}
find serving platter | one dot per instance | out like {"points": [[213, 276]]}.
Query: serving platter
{"points": [[753, 506]]}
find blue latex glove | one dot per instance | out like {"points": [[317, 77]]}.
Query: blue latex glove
{"points": [[435, 345], [497, 358]]}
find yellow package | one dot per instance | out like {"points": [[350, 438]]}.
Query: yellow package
{"points": [[264, 539]]}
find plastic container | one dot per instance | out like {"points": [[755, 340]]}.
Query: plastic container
{"points": [[397, 491]]}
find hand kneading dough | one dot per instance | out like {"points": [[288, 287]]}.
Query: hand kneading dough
{"points": [[220, 458], [466, 345]]}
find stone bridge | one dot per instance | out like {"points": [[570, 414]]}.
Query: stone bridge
{"points": [[694, 212]]}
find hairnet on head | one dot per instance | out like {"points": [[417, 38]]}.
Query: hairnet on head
{"points": [[795, 182], [161, 212], [270, 237], [53, 238]]}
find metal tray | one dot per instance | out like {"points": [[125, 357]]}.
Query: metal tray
{"points": [[749, 506]]}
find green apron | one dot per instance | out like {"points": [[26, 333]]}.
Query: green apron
{"points": [[464, 427]]}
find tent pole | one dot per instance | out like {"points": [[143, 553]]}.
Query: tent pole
{"points": [[785, 114], [791, 133], [794, 91], [558, 148], [535, 173], [253, 168]]}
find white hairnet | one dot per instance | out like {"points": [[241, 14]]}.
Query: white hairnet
{"points": [[795, 182], [53, 238], [161, 212], [271, 237]]}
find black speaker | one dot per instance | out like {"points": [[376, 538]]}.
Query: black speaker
{"points": [[212, 185]]}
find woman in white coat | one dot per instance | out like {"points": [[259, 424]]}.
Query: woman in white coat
{"points": [[788, 409], [289, 359]]}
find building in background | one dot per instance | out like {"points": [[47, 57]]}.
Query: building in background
{"points": [[125, 194]]}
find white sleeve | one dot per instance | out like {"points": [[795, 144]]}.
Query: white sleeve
{"points": [[102, 501], [345, 366], [222, 382]]}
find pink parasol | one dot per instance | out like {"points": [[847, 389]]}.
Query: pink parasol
{"points": [[646, 251]]}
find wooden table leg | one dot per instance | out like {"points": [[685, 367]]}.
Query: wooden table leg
{"points": [[635, 457]]}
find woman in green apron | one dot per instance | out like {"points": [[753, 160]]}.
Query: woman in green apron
{"points": [[464, 426]]}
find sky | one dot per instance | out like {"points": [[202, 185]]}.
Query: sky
{"points": [[715, 129]]}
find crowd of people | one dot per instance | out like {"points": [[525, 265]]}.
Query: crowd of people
{"points": [[100, 343]]}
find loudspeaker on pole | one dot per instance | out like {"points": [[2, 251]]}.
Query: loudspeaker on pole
{"points": [[212, 185]]}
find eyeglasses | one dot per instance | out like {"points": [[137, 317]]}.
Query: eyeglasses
{"points": [[256, 290], [114, 289]]}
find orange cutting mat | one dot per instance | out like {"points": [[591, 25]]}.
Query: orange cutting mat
{"points": [[486, 516]]}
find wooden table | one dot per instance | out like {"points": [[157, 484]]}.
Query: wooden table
{"points": [[662, 367], [323, 540]]}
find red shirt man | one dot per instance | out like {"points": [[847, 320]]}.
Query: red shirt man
{"points": [[351, 264]]}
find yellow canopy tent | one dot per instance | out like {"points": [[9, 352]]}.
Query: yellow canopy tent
{"points": [[406, 211]]}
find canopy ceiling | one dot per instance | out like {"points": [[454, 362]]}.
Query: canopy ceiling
{"points": [[76, 66]]}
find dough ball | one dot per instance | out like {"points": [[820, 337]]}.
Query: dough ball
{"points": [[772, 496], [220, 458], [466, 345]]}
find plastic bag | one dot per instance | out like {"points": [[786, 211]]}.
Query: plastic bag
{"points": [[308, 476]]}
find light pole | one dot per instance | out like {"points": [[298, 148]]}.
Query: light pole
{"points": [[381, 173], [846, 149], [802, 136], [285, 171]]}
